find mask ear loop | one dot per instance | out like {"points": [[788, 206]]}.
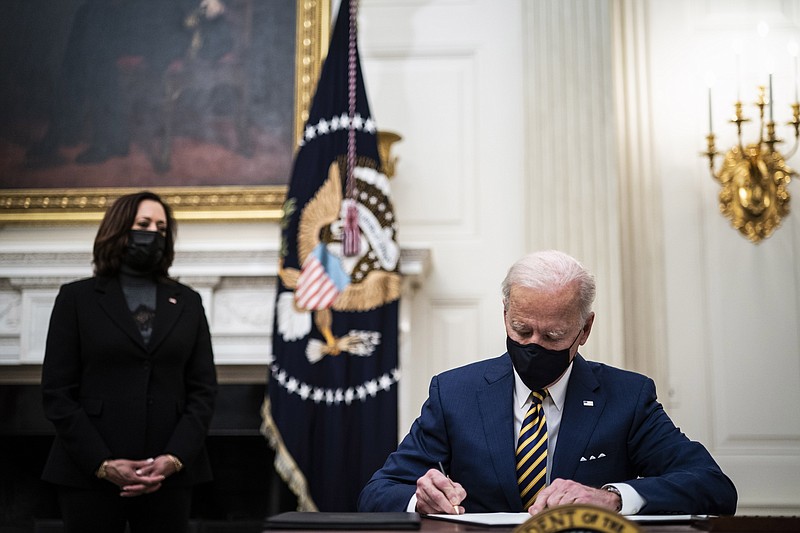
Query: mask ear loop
{"points": [[577, 337]]}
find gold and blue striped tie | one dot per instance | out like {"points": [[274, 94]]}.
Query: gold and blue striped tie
{"points": [[532, 451]]}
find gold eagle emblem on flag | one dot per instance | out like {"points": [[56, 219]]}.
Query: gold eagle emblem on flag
{"points": [[327, 279]]}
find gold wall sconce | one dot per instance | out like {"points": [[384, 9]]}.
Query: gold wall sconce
{"points": [[754, 177]]}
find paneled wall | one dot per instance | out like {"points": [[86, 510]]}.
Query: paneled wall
{"points": [[447, 76]]}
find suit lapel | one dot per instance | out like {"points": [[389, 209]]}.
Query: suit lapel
{"points": [[113, 303], [494, 402], [582, 408], [169, 305]]}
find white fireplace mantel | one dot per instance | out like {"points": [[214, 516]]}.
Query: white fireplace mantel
{"points": [[237, 286]]}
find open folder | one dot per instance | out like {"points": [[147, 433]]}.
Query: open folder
{"points": [[343, 521]]}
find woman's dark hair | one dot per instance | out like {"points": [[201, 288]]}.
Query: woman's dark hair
{"points": [[111, 241]]}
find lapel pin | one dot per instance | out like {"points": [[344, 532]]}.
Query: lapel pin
{"points": [[174, 301], [588, 403]]}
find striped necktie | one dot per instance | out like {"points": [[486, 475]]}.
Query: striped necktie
{"points": [[532, 451]]}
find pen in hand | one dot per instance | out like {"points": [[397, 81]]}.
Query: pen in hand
{"points": [[455, 507]]}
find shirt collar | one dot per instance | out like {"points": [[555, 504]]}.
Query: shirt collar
{"points": [[557, 391]]}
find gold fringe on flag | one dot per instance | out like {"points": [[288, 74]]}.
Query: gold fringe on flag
{"points": [[284, 462]]}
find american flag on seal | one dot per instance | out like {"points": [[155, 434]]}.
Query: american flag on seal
{"points": [[321, 280]]}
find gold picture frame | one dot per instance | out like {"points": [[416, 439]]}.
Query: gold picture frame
{"points": [[218, 203]]}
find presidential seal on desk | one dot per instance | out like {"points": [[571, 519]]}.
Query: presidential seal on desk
{"points": [[576, 518]]}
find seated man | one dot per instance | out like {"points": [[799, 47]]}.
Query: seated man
{"points": [[588, 433]]}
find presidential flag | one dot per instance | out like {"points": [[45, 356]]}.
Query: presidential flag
{"points": [[331, 408]]}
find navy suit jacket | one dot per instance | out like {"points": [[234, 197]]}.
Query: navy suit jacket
{"points": [[110, 396], [612, 430]]}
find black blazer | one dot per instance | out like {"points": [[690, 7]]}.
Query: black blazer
{"points": [[111, 397]]}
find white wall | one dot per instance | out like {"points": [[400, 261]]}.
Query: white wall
{"points": [[732, 306], [572, 124]]}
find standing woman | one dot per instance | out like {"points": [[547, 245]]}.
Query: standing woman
{"points": [[128, 381]]}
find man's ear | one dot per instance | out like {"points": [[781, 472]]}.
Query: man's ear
{"points": [[587, 328]]}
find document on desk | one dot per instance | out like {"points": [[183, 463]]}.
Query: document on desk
{"points": [[668, 518], [515, 519], [484, 519]]}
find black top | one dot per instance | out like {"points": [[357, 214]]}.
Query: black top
{"points": [[140, 294]]}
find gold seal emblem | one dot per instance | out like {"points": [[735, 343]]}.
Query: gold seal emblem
{"points": [[578, 518]]}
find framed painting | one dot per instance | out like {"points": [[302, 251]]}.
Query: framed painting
{"points": [[202, 101]]}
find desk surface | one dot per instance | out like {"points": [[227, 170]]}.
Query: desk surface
{"points": [[763, 524], [440, 526]]}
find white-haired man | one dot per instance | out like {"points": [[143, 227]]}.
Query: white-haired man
{"points": [[590, 433]]}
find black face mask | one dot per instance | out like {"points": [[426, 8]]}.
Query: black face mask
{"points": [[145, 250], [537, 366]]}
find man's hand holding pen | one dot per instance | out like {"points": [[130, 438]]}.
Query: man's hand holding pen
{"points": [[437, 493]]}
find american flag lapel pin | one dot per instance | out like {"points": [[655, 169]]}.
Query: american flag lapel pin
{"points": [[588, 403]]}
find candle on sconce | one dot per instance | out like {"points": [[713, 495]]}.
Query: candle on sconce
{"points": [[710, 123], [793, 50], [738, 77], [710, 84], [762, 28], [738, 46], [771, 118]]}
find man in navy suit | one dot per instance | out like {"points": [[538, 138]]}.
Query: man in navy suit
{"points": [[609, 442]]}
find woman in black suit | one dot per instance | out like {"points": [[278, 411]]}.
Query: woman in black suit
{"points": [[128, 381]]}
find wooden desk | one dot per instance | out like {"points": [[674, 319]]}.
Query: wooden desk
{"points": [[762, 524], [440, 526]]}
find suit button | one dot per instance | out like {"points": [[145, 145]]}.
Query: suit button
{"points": [[146, 366]]}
